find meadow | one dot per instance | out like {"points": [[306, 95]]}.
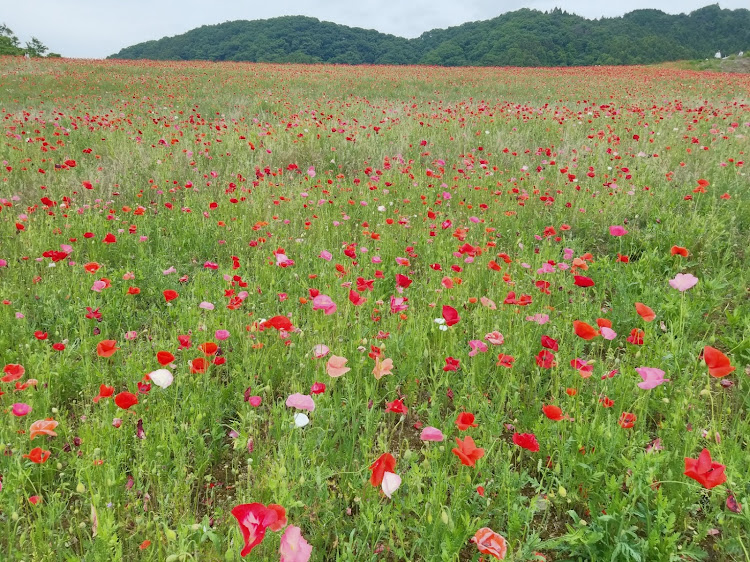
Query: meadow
{"points": [[373, 313]]}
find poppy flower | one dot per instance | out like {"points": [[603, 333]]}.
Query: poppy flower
{"points": [[251, 518], [133, 290], [526, 441], [198, 365], [450, 315], [397, 407], [13, 372], [324, 303], [679, 251], [584, 331], [382, 367], [109, 238], [617, 230], [718, 364], [553, 412], [430, 433], [636, 336], [43, 427], [38, 455], [545, 359], [505, 360], [336, 366], [581, 281], [106, 348], [477, 346], [301, 402], [125, 400], [652, 377], [451, 364], [20, 409], [391, 483], [683, 281], [164, 357], [318, 388], [627, 420], [208, 348], [703, 470], [356, 299], [645, 312], [91, 267], [41, 335], [170, 295], [490, 542], [104, 392], [161, 378], [279, 323], [495, 338], [385, 463], [467, 451], [465, 420], [550, 343], [294, 547]]}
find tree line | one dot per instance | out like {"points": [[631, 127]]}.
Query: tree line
{"points": [[10, 45], [521, 38]]}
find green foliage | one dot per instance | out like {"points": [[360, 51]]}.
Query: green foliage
{"points": [[521, 38]]}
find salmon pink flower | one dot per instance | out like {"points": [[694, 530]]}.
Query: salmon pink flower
{"points": [[430, 433], [467, 451], [336, 366], [106, 348], [294, 548], [495, 338], [683, 281], [42, 427], [382, 367], [645, 312], [490, 542]]}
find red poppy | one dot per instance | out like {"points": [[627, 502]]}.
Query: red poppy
{"points": [[279, 323], [584, 330], [164, 357], [208, 348], [607, 402], [526, 441], [385, 463], [37, 455], [549, 343], [170, 295], [451, 364], [627, 420], [91, 267], [251, 518], [679, 251], [318, 388], [603, 323], [636, 336], [125, 400], [109, 238], [450, 315], [13, 372], [467, 451], [198, 365], [708, 473], [581, 281], [356, 299], [133, 290], [104, 392], [106, 348], [505, 360], [545, 359], [58, 346], [41, 335], [718, 364], [184, 342], [553, 412], [397, 407], [465, 420], [645, 312]]}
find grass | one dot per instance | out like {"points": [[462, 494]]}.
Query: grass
{"points": [[191, 164]]}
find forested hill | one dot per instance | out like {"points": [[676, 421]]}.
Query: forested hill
{"points": [[521, 38]]}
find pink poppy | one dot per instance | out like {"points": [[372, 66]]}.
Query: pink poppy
{"points": [[320, 351], [336, 366], [683, 281], [477, 346], [430, 433], [19, 409], [495, 338], [652, 377], [294, 548], [301, 402], [617, 230], [324, 303]]}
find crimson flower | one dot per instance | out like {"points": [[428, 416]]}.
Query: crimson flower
{"points": [[703, 470], [465, 420], [397, 407], [546, 359], [450, 315], [526, 441], [385, 463], [451, 364]]}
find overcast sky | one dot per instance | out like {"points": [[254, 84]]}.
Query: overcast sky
{"points": [[98, 28]]}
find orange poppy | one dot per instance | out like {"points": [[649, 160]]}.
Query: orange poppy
{"points": [[208, 348], [645, 312], [467, 451], [43, 427], [91, 267], [106, 348], [490, 542], [198, 365], [553, 412], [679, 251], [584, 330], [13, 372], [718, 364], [38, 455]]}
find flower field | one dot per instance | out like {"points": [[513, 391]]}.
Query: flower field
{"points": [[373, 313]]}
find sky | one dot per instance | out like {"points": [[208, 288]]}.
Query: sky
{"points": [[98, 28]]}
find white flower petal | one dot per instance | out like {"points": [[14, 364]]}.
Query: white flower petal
{"points": [[161, 378], [301, 420], [391, 483]]}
